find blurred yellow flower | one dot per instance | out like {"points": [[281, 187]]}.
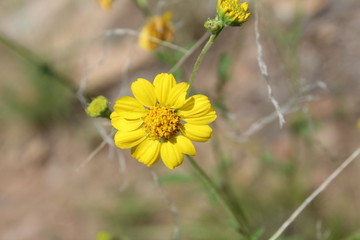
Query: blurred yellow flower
{"points": [[105, 4], [160, 122], [157, 28], [358, 124], [232, 13]]}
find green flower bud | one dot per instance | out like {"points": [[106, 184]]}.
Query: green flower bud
{"points": [[99, 107], [214, 25]]}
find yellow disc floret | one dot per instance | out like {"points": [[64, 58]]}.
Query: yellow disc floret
{"points": [[161, 122], [233, 13]]}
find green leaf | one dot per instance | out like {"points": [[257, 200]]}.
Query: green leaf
{"points": [[354, 236], [256, 235], [303, 126], [268, 159], [224, 68], [175, 178]]}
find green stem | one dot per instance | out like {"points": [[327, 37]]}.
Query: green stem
{"points": [[34, 60], [202, 55], [241, 224]]}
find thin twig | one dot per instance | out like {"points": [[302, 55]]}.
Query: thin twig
{"points": [[80, 94], [263, 70], [91, 156], [312, 196], [291, 106], [189, 52], [201, 57], [131, 32]]}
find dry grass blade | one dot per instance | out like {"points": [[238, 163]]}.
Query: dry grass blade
{"points": [[312, 196]]}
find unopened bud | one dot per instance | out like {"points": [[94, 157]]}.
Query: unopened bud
{"points": [[99, 107]]}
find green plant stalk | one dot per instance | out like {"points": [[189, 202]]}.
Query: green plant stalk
{"points": [[39, 63], [241, 223], [202, 55], [225, 190]]}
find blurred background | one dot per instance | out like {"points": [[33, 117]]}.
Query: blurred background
{"points": [[54, 186]]}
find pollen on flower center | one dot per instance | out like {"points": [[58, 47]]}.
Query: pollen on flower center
{"points": [[234, 6], [162, 122]]}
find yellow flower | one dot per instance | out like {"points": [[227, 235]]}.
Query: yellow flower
{"points": [[160, 122], [156, 28], [232, 13], [105, 4], [358, 124]]}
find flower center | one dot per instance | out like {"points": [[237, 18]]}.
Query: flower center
{"points": [[161, 122]]}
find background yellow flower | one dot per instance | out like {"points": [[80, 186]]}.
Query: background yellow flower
{"points": [[105, 4], [160, 122], [156, 28]]}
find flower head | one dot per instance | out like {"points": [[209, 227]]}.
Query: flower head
{"points": [[160, 122], [157, 28], [98, 107], [105, 4], [232, 13]]}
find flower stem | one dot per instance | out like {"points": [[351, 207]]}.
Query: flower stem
{"points": [[202, 55], [241, 224], [40, 64]]}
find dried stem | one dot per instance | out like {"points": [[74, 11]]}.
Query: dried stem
{"points": [[312, 196]]}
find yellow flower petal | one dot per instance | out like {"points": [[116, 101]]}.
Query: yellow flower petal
{"points": [[147, 152], [196, 106], [184, 145], [177, 95], [129, 108], [129, 139], [144, 92], [197, 133], [205, 119], [163, 84], [170, 155], [120, 123], [106, 4], [151, 124], [232, 13], [166, 17]]}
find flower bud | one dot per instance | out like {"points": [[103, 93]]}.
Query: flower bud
{"points": [[214, 25], [98, 107]]}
